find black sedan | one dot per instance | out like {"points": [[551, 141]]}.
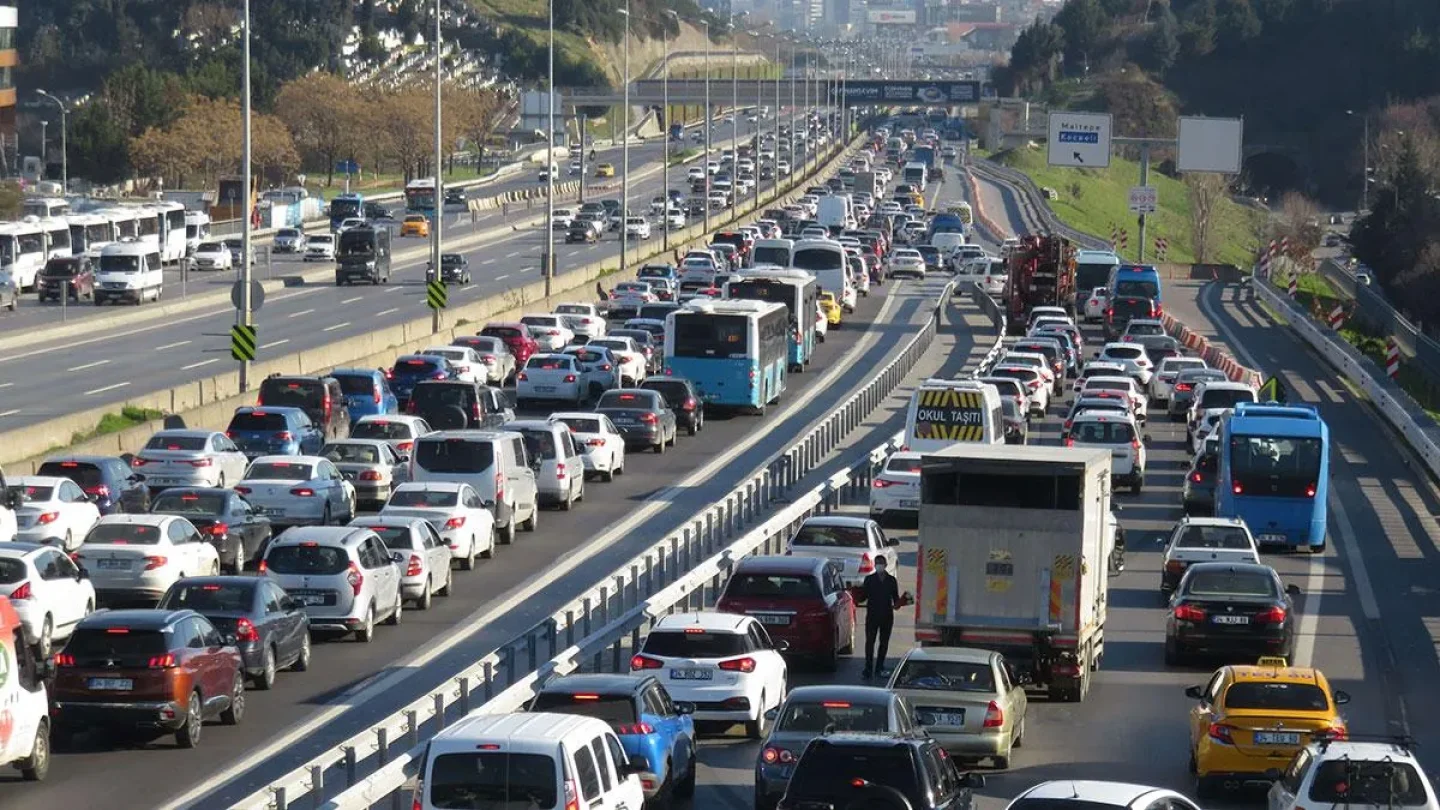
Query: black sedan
{"points": [[683, 399], [454, 268], [272, 630], [581, 231], [641, 416], [237, 530], [1230, 610]]}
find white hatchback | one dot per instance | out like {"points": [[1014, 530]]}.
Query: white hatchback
{"points": [[1121, 436], [1133, 357], [896, 488], [56, 511], [47, 589], [549, 331], [1139, 403], [551, 377], [455, 510], [1096, 303]]}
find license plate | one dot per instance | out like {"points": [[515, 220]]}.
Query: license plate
{"points": [[113, 565], [545, 389], [1270, 538], [950, 717], [310, 599], [271, 511], [772, 619], [160, 482], [112, 684], [1231, 619], [908, 504], [1277, 738], [691, 674]]}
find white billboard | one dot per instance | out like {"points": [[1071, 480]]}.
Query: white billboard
{"points": [[891, 16], [1210, 145]]}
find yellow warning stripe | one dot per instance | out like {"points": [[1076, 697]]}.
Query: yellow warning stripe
{"points": [[949, 398], [954, 433]]}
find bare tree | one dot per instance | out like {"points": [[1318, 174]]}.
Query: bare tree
{"points": [[1299, 225], [1206, 191]]}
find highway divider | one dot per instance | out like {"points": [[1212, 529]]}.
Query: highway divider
{"points": [[212, 400], [684, 571]]}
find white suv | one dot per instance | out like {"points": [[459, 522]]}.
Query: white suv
{"points": [[344, 577], [1332, 773], [1133, 357], [1121, 434]]}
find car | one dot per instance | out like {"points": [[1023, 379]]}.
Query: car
{"points": [[1204, 428], [465, 364], [189, 458], [455, 510], [600, 442], [562, 219], [115, 487], [288, 240], [813, 712], [494, 463], [907, 262], [583, 320], [320, 247], [604, 170], [493, 353], [1376, 772], [236, 248], [459, 405], [214, 256], [853, 542], [599, 369], [54, 512], [1182, 393], [428, 572], [1096, 304], [656, 732], [1123, 385], [1230, 609], [1097, 368], [136, 558], [455, 196], [320, 396], [1212, 397], [637, 228], [896, 488], [343, 576], [410, 370], [549, 331], [70, 276], [1123, 308], [1111, 403], [1197, 494], [298, 491], [26, 699], [370, 465], [48, 591], [415, 225], [352, 222], [1248, 718], [366, 392], [270, 629], [683, 399], [259, 431], [822, 323], [9, 290], [237, 530], [726, 665], [870, 769], [802, 600], [560, 476], [551, 376], [1167, 372], [1051, 352], [966, 698], [1204, 539], [1032, 377], [642, 417], [454, 268], [1086, 794], [165, 671], [400, 430], [1121, 436], [830, 306], [1133, 357], [675, 219]]}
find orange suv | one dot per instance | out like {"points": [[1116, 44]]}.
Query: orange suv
{"points": [[152, 672]]}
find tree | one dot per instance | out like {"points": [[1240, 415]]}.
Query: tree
{"points": [[99, 148], [205, 142], [1084, 23], [1236, 23], [1162, 43], [1198, 29], [12, 200], [1206, 191], [478, 114], [139, 98], [324, 113], [409, 126], [1299, 224]]}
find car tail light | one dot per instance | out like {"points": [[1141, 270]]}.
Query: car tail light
{"points": [[1135, 443], [284, 436], [229, 434], [405, 446], [1274, 615], [487, 358], [475, 411], [47, 518], [773, 756], [746, 664], [154, 561], [1220, 733], [245, 630], [570, 378], [243, 490], [303, 492], [606, 367], [634, 728], [1110, 313], [439, 375], [1237, 488], [99, 490], [994, 716], [64, 660], [1183, 386], [139, 462], [202, 462], [1033, 385], [649, 418], [867, 565], [881, 483], [166, 661], [1128, 339], [1309, 490], [217, 529], [572, 797], [1332, 733], [1189, 613], [640, 662], [356, 579], [22, 592], [1175, 566], [522, 376], [499, 487], [455, 523], [1069, 441], [414, 568], [1196, 477]]}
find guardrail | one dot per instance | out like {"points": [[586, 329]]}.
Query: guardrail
{"points": [[1041, 217], [1372, 308]]}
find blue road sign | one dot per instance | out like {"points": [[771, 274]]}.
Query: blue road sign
{"points": [[347, 167], [1070, 136]]}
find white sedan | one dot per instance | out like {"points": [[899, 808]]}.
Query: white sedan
{"points": [[551, 376], [907, 262], [56, 511], [138, 557], [583, 319], [47, 589], [299, 491], [632, 359], [637, 228], [464, 360], [549, 331], [455, 510], [675, 219], [211, 256], [320, 248], [190, 458], [599, 440]]}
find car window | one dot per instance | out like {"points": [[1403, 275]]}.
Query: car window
{"points": [[832, 536], [1223, 582], [602, 761], [1276, 696], [1213, 537], [772, 586], [832, 716], [946, 676], [589, 775], [503, 779], [306, 560], [1102, 432], [680, 644]]}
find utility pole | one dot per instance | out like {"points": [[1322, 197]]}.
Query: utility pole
{"points": [[709, 124], [665, 132], [734, 116], [439, 175], [245, 316], [548, 267], [625, 154]]}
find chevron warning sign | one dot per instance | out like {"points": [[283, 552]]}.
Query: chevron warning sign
{"points": [[437, 296], [242, 342], [950, 415]]}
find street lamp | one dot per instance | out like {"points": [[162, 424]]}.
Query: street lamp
{"points": [[548, 267], [246, 314], [665, 133], [734, 109], [708, 124], [435, 236], [625, 151], [1365, 158]]}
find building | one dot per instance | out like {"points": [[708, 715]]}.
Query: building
{"points": [[9, 20]]}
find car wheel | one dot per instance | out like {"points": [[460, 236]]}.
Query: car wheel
{"points": [[568, 502], [325, 516], [686, 787], [508, 536], [188, 735], [266, 679], [1173, 656], [427, 596], [756, 729], [365, 633], [692, 428], [1001, 763], [46, 639], [398, 614], [302, 661], [534, 521], [37, 766], [236, 712], [660, 446], [468, 564], [1137, 484]]}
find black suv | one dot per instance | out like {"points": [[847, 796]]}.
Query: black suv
{"points": [[682, 398], [878, 770], [320, 397], [459, 405]]}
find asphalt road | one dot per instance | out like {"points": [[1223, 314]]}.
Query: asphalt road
{"points": [[41, 382], [351, 685]]}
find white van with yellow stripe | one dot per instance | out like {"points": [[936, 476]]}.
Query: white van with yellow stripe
{"points": [[944, 412]]}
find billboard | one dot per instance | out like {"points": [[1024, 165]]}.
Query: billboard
{"points": [[1210, 145], [891, 16], [861, 92]]}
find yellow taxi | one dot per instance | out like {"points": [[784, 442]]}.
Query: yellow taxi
{"points": [[916, 198], [831, 308], [415, 225], [605, 170], [1252, 719]]}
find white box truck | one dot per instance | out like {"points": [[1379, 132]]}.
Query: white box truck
{"points": [[1016, 550]]}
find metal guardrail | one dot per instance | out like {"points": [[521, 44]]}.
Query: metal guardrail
{"points": [[368, 765], [1372, 308], [1031, 199]]}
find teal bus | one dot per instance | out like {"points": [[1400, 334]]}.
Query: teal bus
{"points": [[735, 352], [795, 289], [1274, 473]]}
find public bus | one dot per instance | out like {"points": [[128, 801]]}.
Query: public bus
{"points": [[170, 236], [124, 222], [22, 251], [345, 206], [89, 233], [44, 207], [420, 197], [795, 289], [734, 352], [57, 237], [1274, 473]]}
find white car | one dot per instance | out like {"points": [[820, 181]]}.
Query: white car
{"points": [[464, 360], [1032, 378], [1204, 427], [56, 512], [427, 570], [1205, 539], [47, 589], [637, 228], [454, 509], [298, 491], [1121, 436], [400, 430], [1139, 403], [1095, 368], [695, 173], [1096, 303], [562, 218], [822, 324], [599, 370], [551, 377], [633, 294], [896, 488], [549, 331], [1036, 359], [289, 240], [724, 663], [582, 319], [675, 219], [782, 167], [138, 557], [1353, 773], [190, 458], [850, 541], [1162, 385], [1133, 357], [212, 256], [631, 357], [907, 262], [320, 248], [600, 442], [1092, 795], [348, 223]]}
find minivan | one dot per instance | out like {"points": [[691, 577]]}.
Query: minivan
{"points": [[129, 271], [1137, 281], [344, 577], [494, 462], [561, 478]]}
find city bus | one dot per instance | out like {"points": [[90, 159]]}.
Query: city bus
{"points": [[1274, 473], [124, 222], [421, 197], [44, 207], [734, 352], [345, 206], [795, 289], [170, 217], [22, 252], [57, 237], [89, 233]]}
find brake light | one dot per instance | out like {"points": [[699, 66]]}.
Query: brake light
{"points": [[100, 490], [1221, 733], [572, 797], [634, 728], [303, 492], [605, 367], [355, 578], [1110, 313], [475, 411], [867, 565], [746, 664], [1183, 386], [1237, 487], [994, 716], [1134, 444], [881, 483], [1069, 442], [414, 568], [499, 487], [139, 462], [217, 529], [22, 592], [376, 395], [1196, 477], [48, 517], [64, 660], [1189, 613], [1274, 615], [570, 378], [166, 661], [649, 418], [639, 662], [455, 523], [406, 446], [284, 436], [777, 755], [560, 474], [1333, 733], [245, 630], [1175, 566], [410, 406], [522, 376], [153, 562], [1309, 490]]}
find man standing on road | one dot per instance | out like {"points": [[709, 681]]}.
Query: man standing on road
{"points": [[880, 594]]}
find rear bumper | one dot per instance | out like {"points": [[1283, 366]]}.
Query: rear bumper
{"points": [[150, 715], [971, 745], [1248, 647]]}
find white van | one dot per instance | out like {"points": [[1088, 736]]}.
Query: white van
{"points": [[825, 260], [944, 412], [834, 212], [25, 742], [528, 760], [197, 230], [129, 271], [494, 463]]}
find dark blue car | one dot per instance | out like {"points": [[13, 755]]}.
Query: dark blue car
{"points": [[367, 392], [657, 733], [108, 480], [263, 431], [410, 369]]}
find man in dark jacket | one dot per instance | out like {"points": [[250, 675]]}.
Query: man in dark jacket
{"points": [[880, 594]]}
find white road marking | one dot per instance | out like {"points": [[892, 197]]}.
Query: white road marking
{"points": [[502, 278], [387, 311], [106, 388], [174, 345], [201, 363], [352, 300], [272, 344], [88, 365], [512, 254], [340, 325], [10, 412], [537, 584], [300, 313], [468, 287], [488, 261], [393, 289], [6, 385]]}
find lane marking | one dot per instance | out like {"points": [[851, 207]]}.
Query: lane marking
{"points": [[88, 365], [6, 385], [340, 325], [393, 289], [488, 261], [387, 311], [468, 287], [174, 345], [544, 579], [502, 278], [272, 344], [300, 313], [106, 388], [201, 363], [352, 300], [10, 412]]}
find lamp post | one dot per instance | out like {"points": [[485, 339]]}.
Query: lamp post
{"points": [[665, 120], [547, 268], [708, 123], [44, 142], [436, 227], [793, 134], [625, 151], [64, 140], [245, 316], [734, 112], [1365, 160]]}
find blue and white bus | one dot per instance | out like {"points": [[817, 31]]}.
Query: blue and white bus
{"points": [[734, 352], [421, 198], [1274, 473], [345, 206], [795, 289]]}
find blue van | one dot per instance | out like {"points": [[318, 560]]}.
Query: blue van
{"points": [[367, 393], [1137, 281]]}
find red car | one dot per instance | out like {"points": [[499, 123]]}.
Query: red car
{"points": [[800, 599], [516, 336]]}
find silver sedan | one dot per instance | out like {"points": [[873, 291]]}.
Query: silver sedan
{"points": [[370, 465], [298, 491], [190, 458]]}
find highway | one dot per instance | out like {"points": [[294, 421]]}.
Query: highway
{"points": [[351, 685], [49, 380]]}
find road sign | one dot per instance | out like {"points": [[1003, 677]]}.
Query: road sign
{"points": [[1210, 145], [347, 167], [1144, 199], [1079, 140], [436, 295], [257, 295], [242, 342]]}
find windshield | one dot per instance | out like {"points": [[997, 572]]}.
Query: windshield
{"points": [[255, 422], [424, 499], [616, 710], [1387, 783], [1140, 287], [832, 536], [772, 586], [280, 471], [210, 597], [415, 367], [1102, 433], [380, 430], [1224, 397], [119, 264], [773, 255], [685, 644], [1129, 307], [946, 676], [454, 456], [492, 780], [699, 335], [816, 259], [188, 503], [1123, 352], [886, 764], [580, 424], [1144, 329], [1287, 467], [1224, 582], [1214, 537], [292, 393], [343, 209], [357, 242], [833, 715], [161, 441], [306, 559], [1092, 274], [124, 534], [356, 384], [351, 453]]}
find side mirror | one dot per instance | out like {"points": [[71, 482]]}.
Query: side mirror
{"points": [[1195, 692], [1145, 439], [397, 557], [780, 645], [1341, 697], [488, 505], [973, 780], [1162, 539], [892, 541], [82, 573], [684, 707], [1292, 590], [231, 640], [772, 714]]}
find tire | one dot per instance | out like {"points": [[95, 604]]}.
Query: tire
{"points": [[1001, 763], [659, 448], [36, 767], [1173, 656], [46, 639], [266, 679], [692, 429], [366, 632], [325, 517], [508, 536], [568, 503], [233, 715], [302, 661], [533, 522], [188, 735], [1137, 485], [427, 597], [758, 728], [468, 564], [399, 614], [449, 581], [685, 788]]}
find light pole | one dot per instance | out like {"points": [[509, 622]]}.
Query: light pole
{"points": [[708, 124], [734, 106], [64, 141], [665, 119], [547, 269], [245, 316], [1365, 160], [44, 141], [792, 70], [625, 151], [439, 173]]}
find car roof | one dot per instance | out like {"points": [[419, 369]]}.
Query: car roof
{"points": [[383, 418], [18, 548], [432, 486], [1191, 520], [708, 620], [130, 519], [837, 520], [775, 564], [1103, 416], [1120, 794], [381, 519], [1275, 673], [135, 618], [289, 459], [331, 535], [365, 442], [39, 480], [604, 682]]}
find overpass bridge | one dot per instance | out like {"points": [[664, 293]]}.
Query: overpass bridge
{"points": [[759, 92]]}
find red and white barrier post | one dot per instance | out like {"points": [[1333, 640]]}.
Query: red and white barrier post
{"points": [[1337, 316], [1392, 358]]}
